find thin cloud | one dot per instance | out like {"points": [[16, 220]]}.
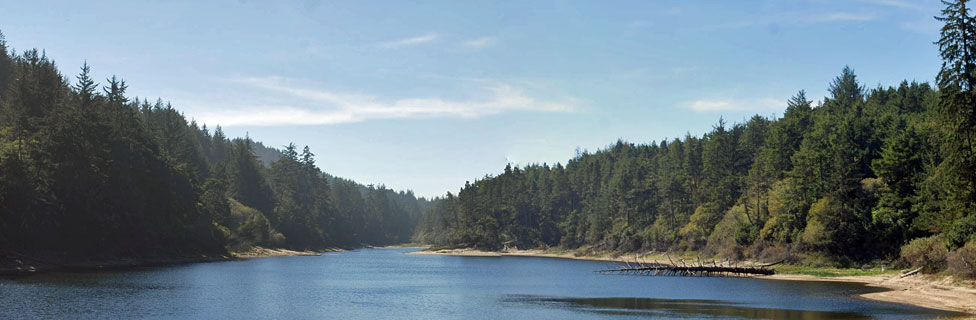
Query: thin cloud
{"points": [[410, 41], [797, 19], [636, 24], [330, 107], [480, 43], [896, 4], [842, 16], [764, 104], [920, 19]]}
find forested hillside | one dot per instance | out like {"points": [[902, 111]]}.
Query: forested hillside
{"points": [[89, 173], [854, 178]]}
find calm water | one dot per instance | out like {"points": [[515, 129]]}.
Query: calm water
{"points": [[387, 284]]}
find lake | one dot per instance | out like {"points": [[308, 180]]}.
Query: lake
{"points": [[388, 284]]}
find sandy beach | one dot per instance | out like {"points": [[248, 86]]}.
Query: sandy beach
{"points": [[262, 252], [929, 291]]}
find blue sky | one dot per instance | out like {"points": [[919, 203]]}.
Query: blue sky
{"points": [[425, 95]]}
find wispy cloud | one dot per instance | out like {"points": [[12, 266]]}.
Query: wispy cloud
{"points": [[412, 41], [841, 16], [320, 106], [636, 24], [896, 4], [801, 19], [917, 13], [480, 43], [764, 104]]}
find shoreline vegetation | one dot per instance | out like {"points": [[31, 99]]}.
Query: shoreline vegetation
{"points": [[927, 291]]}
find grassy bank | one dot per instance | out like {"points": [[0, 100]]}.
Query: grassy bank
{"points": [[836, 272]]}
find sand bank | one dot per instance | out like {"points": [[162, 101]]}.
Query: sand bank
{"points": [[262, 252]]}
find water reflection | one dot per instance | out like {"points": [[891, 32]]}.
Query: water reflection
{"points": [[680, 307], [387, 284]]}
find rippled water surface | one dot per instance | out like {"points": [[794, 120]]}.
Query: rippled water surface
{"points": [[388, 284]]}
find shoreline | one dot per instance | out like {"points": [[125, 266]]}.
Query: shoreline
{"points": [[262, 252], [927, 291], [28, 266]]}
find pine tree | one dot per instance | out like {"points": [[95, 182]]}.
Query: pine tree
{"points": [[6, 66], [957, 104], [900, 167], [86, 88]]}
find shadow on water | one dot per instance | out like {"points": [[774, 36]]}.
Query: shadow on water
{"points": [[679, 308]]}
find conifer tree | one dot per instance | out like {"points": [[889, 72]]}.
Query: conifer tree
{"points": [[957, 103]]}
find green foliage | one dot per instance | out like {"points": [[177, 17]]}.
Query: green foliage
{"points": [[91, 174], [249, 227], [784, 224], [833, 272], [929, 253], [961, 231], [901, 168], [732, 234], [865, 175], [850, 180], [832, 227], [698, 228], [955, 175], [214, 200]]}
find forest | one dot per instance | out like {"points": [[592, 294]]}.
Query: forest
{"points": [[88, 173], [868, 174]]}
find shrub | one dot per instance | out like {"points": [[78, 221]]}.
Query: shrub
{"points": [[962, 261], [929, 253], [724, 240], [833, 227], [773, 252], [695, 233], [962, 231], [660, 235]]}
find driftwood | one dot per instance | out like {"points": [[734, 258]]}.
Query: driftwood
{"points": [[699, 269], [910, 272]]}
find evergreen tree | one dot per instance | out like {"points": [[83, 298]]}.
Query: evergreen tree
{"points": [[957, 103]]}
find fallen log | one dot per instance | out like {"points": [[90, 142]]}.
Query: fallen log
{"points": [[910, 272]]}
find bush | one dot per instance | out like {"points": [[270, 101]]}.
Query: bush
{"points": [[659, 236], [929, 253], [695, 233], [962, 261], [724, 240], [962, 231], [833, 227], [821, 260], [773, 252]]}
